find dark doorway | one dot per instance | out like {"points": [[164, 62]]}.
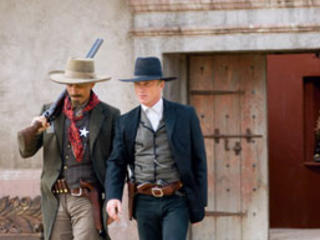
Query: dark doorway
{"points": [[293, 110]]}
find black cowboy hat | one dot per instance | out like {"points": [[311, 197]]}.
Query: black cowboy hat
{"points": [[146, 69]]}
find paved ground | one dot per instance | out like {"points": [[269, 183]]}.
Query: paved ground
{"points": [[295, 234]]}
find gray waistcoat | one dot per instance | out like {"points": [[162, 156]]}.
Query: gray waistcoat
{"points": [[153, 158], [73, 171]]}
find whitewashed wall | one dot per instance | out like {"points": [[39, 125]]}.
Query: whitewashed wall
{"points": [[38, 36]]}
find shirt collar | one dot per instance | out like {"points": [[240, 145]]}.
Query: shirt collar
{"points": [[158, 107]]}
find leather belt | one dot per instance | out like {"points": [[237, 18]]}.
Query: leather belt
{"points": [[158, 190], [61, 187]]}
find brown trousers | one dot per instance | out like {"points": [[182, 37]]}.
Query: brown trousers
{"points": [[74, 219]]}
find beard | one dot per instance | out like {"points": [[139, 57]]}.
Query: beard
{"points": [[75, 103], [75, 100]]}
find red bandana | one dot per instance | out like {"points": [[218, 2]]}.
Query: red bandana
{"points": [[73, 131]]}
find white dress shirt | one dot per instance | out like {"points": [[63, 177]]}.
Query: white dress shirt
{"points": [[154, 113]]}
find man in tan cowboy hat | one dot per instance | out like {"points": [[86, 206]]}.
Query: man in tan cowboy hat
{"points": [[76, 146]]}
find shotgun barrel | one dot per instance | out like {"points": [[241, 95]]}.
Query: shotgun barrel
{"points": [[95, 47], [54, 108]]}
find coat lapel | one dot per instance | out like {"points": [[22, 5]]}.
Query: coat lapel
{"points": [[131, 128], [95, 123], [169, 117]]}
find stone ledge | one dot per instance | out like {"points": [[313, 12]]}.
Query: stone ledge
{"points": [[24, 236], [254, 29], [141, 6]]}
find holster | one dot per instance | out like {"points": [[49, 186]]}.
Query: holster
{"points": [[94, 196], [131, 193]]}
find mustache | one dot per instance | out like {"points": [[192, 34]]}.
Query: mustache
{"points": [[76, 95]]}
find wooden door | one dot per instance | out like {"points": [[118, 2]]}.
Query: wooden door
{"points": [[229, 94]]}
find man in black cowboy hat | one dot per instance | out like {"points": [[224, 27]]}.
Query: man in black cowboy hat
{"points": [[75, 148], [162, 143]]}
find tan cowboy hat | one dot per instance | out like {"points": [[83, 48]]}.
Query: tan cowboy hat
{"points": [[78, 70]]}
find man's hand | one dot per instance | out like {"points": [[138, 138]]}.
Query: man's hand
{"points": [[43, 121], [114, 209]]}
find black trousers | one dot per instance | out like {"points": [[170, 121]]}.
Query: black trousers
{"points": [[164, 218]]}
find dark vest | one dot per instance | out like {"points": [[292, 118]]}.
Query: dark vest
{"points": [[73, 171], [153, 158]]}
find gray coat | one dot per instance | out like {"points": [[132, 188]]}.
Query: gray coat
{"points": [[101, 125]]}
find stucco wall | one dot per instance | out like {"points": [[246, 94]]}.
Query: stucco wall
{"points": [[38, 36]]}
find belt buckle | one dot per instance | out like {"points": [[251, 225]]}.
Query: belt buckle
{"points": [[157, 192], [77, 194]]}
